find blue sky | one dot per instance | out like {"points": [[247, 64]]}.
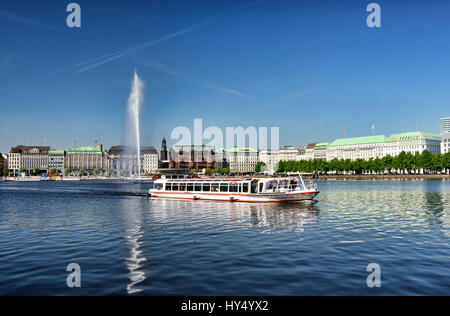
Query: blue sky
{"points": [[310, 67]]}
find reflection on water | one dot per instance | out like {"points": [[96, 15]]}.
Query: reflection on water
{"points": [[131, 213], [265, 216], [284, 217], [407, 209], [119, 237]]}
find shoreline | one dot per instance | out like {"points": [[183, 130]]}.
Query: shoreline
{"points": [[386, 177]]}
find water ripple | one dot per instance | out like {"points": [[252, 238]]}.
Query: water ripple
{"points": [[128, 244]]}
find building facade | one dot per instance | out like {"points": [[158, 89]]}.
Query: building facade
{"points": [[309, 152], [445, 143], [164, 150], [242, 160], [445, 125], [56, 160], [192, 157], [287, 153], [151, 160], [28, 158], [413, 142], [357, 147], [379, 146], [14, 162], [320, 151], [301, 154], [88, 158]]}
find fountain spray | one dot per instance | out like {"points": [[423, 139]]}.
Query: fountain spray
{"points": [[134, 107]]}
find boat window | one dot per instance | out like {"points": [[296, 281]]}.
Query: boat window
{"points": [[254, 187], [233, 188], [271, 185], [261, 187], [293, 184], [190, 187], [182, 186], [283, 184], [224, 187], [206, 187], [168, 186], [158, 186], [215, 187], [175, 186], [198, 187], [245, 187]]}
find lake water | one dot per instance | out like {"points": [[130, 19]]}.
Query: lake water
{"points": [[129, 244]]}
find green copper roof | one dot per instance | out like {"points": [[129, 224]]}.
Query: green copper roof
{"points": [[358, 140], [321, 145], [413, 136], [92, 150], [56, 152], [242, 150]]}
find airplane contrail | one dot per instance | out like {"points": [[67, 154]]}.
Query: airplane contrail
{"points": [[121, 53], [187, 77], [15, 18]]}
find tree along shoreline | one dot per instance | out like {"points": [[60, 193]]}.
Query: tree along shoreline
{"points": [[385, 177], [402, 164]]}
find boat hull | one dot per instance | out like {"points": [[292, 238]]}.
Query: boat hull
{"points": [[238, 197]]}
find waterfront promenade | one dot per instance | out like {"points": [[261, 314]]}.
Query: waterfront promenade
{"points": [[386, 177]]}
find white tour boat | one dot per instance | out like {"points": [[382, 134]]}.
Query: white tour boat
{"points": [[282, 189]]}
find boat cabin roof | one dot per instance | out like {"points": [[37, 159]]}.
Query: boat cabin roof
{"points": [[236, 179]]}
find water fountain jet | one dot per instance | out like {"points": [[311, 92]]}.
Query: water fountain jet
{"points": [[133, 113]]}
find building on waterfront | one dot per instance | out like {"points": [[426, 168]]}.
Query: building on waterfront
{"points": [[286, 153], [445, 143], [151, 160], [88, 158], [412, 142], [192, 157], [28, 158], [14, 162], [357, 147], [378, 146], [56, 160], [164, 156], [270, 159], [123, 161], [445, 125], [320, 151], [242, 160], [164, 150], [307, 153], [301, 154]]}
